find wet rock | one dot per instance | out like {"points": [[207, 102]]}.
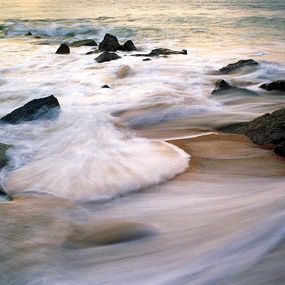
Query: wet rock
{"points": [[92, 52], [237, 65], [105, 86], [147, 59], [28, 34], [107, 56], [87, 42], [128, 46], [280, 149], [3, 157], [266, 129], [161, 52], [221, 85], [109, 43], [63, 49], [275, 85], [43, 108]]}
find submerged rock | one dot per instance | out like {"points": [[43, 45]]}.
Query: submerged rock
{"points": [[46, 107], [63, 49], [28, 34], [87, 42], [128, 46], [105, 86], [147, 59], [161, 52], [237, 65], [109, 43], [275, 85], [107, 56], [280, 149], [221, 85], [266, 129]]}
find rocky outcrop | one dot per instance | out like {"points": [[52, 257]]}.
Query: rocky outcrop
{"points": [[107, 56], [128, 46], [87, 42], [238, 65], [109, 43], [43, 108], [278, 85], [63, 49], [161, 52], [266, 129]]}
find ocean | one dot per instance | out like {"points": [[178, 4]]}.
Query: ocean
{"points": [[124, 187]]}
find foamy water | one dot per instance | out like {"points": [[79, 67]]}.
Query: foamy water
{"points": [[101, 197]]}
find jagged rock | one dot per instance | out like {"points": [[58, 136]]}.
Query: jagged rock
{"points": [[221, 85], [266, 129], [43, 108], [275, 85], [107, 56], [109, 43], [63, 49], [128, 46], [105, 86], [280, 149], [87, 42], [237, 65]]}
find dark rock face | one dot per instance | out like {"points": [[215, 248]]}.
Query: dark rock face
{"points": [[109, 43], [275, 85], [107, 56], [3, 157], [43, 108], [266, 129], [63, 49], [105, 86], [87, 42], [237, 65], [221, 85], [280, 149], [128, 46]]}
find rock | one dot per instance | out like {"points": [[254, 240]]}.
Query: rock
{"points": [[123, 71], [221, 85], [107, 56], [63, 49], [275, 85], [146, 59], [128, 46], [237, 65], [166, 51], [91, 52], [109, 43], [105, 86], [87, 42], [3, 157], [43, 108], [266, 129], [28, 34], [280, 149]]}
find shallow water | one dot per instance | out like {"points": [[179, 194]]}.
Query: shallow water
{"points": [[97, 196]]}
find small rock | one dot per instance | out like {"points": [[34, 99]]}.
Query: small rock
{"points": [[275, 85], [63, 49], [237, 65], [129, 46], [221, 85], [146, 59], [3, 157], [28, 34], [107, 56], [87, 42], [280, 149], [166, 51], [105, 86], [109, 43], [46, 107]]}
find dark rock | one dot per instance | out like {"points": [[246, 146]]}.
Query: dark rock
{"points": [[237, 65], [107, 56], [275, 85], [109, 43], [28, 34], [161, 52], [105, 86], [146, 59], [266, 129], [91, 52], [43, 108], [87, 42], [280, 149], [128, 46], [221, 85], [3, 157], [63, 49]]}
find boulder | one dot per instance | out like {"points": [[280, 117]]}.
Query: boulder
{"points": [[278, 85], [128, 46], [280, 149], [105, 86], [109, 43], [266, 129], [107, 56], [87, 42], [63, 49], [221, 85], [28, 34], [237, 65], [43, 108]]}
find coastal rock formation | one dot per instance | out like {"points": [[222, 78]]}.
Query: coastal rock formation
{"points": [[63, 49], [266, 129], [87, 42], [221, 85], [161, 51], [275, 85], [237, 65], [128, 46], [46, 107], [107, 56], [109, 43], [280, 149]]}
